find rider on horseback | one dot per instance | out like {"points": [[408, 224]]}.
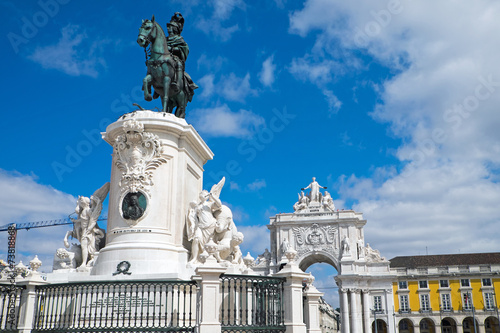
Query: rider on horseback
{"points": [[178, 47]]}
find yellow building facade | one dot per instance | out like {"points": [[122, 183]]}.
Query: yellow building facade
{"points": [[447, 293]]}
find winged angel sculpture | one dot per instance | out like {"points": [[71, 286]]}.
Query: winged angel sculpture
{"points": [[210, 219], [85, 227]]}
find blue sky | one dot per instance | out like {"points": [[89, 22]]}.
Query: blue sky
{"points": [[391, 104]]}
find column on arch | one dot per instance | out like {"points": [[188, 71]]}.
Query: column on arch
{"points": [[356, 322], [389, 306], [366, 311], [345, 310]]}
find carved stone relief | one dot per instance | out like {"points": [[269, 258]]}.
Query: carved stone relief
{"points": [[315, 238], [138, 154]]}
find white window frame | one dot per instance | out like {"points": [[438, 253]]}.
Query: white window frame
{"points": [[467, 301], [446, 302], [489, 301], [464, 282], [377, 304], [404, 303], [421, 282], [425, 303], [441, 284], [405, 285], [486, 284]]}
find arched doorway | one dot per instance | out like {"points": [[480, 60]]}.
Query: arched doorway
{"points": [[405, 326], [491, 325], [381, 326], [427, 326], [448, 325], [468, 325]]}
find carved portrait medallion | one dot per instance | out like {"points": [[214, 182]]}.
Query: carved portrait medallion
{"points": [[133, 207]]}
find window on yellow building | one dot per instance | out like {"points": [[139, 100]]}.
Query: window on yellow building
{"points": [[466, 301], [465, 282], [486, 282], [488, 301], [403, 285], [422, 284], [404, 305], [445, 302], [424, 303], [444, 283]]}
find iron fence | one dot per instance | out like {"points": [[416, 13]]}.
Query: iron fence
{"points": [[252, 304], [131, 306], [10, 300]]}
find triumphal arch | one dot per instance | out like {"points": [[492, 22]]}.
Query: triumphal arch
{"points": [[320, 233]]}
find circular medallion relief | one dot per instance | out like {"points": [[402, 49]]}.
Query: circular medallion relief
{"points": [[134, 205]]}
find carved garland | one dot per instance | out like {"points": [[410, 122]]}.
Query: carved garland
{"points": [[138, 154]]}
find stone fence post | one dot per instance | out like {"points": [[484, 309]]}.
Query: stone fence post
{"points": [[293, 301], [27, 308], [209, 274], [312, 313]]}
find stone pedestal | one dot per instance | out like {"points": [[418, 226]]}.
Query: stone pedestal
{"points": [[28, 301], [294, 310], [311, 308], [209, 274], [157, 170]]}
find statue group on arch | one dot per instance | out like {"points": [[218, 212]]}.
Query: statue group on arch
{"points": [[314, 198]]}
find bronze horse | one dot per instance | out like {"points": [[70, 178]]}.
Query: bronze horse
{"points": [[161, 69]]}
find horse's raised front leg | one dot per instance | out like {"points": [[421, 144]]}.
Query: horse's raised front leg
{"points": [[66, 243], [146, 86]]}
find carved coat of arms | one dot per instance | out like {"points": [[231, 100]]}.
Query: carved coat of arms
{"points": [[138, 154], [315, 238]]}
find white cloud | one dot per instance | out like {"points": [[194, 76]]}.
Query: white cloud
{"points": [[207, 86], [441, 100], [256, 239], [234, 186], [257, 185], [214, 28], [220, 121], [334, 104], [319, 73], [234, 88], [73, 54], [224, 8], [22, 199], [266, 76], [230, 87], [214, 25]]}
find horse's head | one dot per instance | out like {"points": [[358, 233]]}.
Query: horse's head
{"points": [[147, 32]]}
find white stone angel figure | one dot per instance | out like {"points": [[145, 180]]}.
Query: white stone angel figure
{"points": [[327, 202], [201, 221], [85, 227], [302, 203]]}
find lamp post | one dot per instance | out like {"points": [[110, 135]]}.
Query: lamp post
{"points": [[375, 319], [496, 309], [469, 296]]}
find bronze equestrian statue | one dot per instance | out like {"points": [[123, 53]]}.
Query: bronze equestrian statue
{"points": [[165, 61]]}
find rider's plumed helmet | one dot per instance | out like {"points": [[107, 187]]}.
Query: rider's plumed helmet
{"points": [[177, 21]]}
